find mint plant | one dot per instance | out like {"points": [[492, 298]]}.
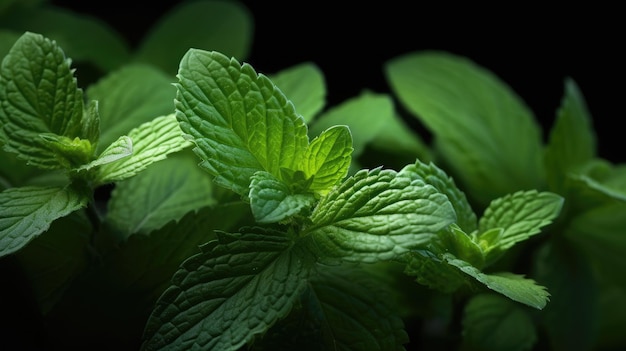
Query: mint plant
{"points": [[227, 209]]}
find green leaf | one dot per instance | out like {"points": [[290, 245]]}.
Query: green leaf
{"points": [[39, 95], [240, 122], [83, 37], [305, 85], [520, 215], [431, 271], [355, 312], [480, 125], [328, 158], [224, 26], [130, 96], [493, 323], [151, 142], [272, 201], [166, 190], [435, 176], [572, 141], [365, 115], [51, 262], [378, 215], [236, 289], [122, 147], [398, 139], [461, 245], [513, 286], [569, 276], [28, 211], [599, 233]]}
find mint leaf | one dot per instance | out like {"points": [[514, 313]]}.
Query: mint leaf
{"points": [[151, 142], [28, 211], [166, 190], [354, 311], [365, 115], [520, 215], [130, 96], [328, 158], [236, 289], [378, 215], [434, 272], [272, 201], [204, 24], [122, 147], [513, 286], [304, 84], [435, 176], [39, 95], [493, 323], [479, 123], [240, 122], [572, 141]]}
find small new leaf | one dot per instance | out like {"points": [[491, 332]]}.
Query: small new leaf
{"points": [[272, 201], [151, 142], [28, 211], [328, 158]]}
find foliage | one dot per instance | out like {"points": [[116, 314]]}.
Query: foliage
{"points": [[221, 208]]}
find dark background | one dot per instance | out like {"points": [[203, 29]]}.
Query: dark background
{"points": [[532, 48]]}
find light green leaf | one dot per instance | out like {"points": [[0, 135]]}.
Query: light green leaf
{"points": [[28, 211], [513, 286], [122, 147], [240, 122], [435, 176], [572, 141], [480, 125], [84, 38], [493, 323], [166, 190], [235, 290], [305, 86], [521, 215], [39, 94], [431, 271], [224, 26], [398, 139], [365, 115], [328, 158], [130, 96], [151, 142], [272, 201], [378, 215], [461, 245]]}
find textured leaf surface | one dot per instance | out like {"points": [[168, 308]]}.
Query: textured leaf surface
{"points": [[479, 123], [493, 323], [305, 86], [28, 211], [435, 176], [130, 96], [39, 94], [513, 286], [521, 215], [328, 158], [233, 291], [166, 191], [151, 142], [378, 215], [240, 122], [272, 201], [204, 24]]}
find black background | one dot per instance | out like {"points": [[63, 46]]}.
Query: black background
{"points": [[533, 48]]}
